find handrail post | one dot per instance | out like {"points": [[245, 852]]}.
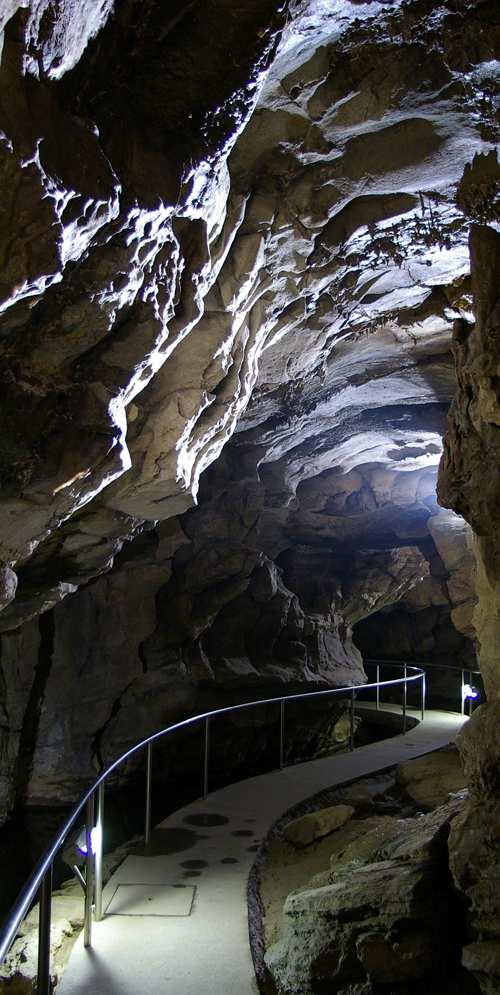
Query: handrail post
{"points": [[89, 876], [462, 705], [43, 986], [149, 771], [282, 733], [206, 758], [351, 723], [405, 693], [40, 880], [98, 852]]}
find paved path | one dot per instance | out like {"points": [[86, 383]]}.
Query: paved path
{"points": [[196, 943]]}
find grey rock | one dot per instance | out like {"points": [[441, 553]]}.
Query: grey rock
{"points": [[315, 825], [430, 779]]}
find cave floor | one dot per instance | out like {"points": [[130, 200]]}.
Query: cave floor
{"points": [[195, 873]]}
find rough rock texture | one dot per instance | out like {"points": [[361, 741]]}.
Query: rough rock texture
{"points": [[356, 895], [173, 280], [429, 779], [433, 620], [111, 252], [195, 610], [381, 919], [469, 481], [313, 826], [229, 281], [473, 442]]}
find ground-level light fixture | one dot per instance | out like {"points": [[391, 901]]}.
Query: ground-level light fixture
{"points": [[95, 840], [470, 692]]}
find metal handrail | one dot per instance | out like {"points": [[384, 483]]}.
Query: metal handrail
{"points": [[463, 671], [423, 663], [40, 880]]}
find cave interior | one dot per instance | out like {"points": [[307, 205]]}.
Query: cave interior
{"points": [[250, 412]]}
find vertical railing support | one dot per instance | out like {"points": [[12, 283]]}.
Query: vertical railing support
{"points": [[89, 875], [206, 762], [98, 852], [282, 733], [351, 722], [405, 697], [462, 705], [378, 686], [423, 691], [149, 773], [45, 908]]}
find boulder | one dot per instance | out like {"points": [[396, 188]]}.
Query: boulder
{"points": [[358, 794], [430, 779], [373, 834], [389, 838], [373, 923], [384, 914], [315, 825], [357, 843]]}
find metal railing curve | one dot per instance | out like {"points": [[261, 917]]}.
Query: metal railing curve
{"points": [[92, 802], [466, 674]]}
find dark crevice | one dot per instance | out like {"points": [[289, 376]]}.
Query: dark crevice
{"points": [[31, 718], [142, 657], [96, 745]]}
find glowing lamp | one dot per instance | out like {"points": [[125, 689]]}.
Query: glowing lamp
{"points": [[470, 692], [95, 840]]}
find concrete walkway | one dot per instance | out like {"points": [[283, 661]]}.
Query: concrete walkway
{"points": [[176, 922]]}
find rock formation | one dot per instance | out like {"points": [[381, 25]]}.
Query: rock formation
{"points": [[312, 261], [372, 908], [470, 482], [235, 246]]}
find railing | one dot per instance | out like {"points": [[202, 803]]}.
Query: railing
{"points": [[468, 693], [40, 882]]}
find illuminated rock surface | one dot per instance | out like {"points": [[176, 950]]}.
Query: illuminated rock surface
{"points": [[369, 908], [235, 246]]}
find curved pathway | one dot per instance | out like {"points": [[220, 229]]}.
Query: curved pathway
{"points": [[176, 921]]}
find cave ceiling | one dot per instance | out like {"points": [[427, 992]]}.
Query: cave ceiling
{"points": [[233, 256]]}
